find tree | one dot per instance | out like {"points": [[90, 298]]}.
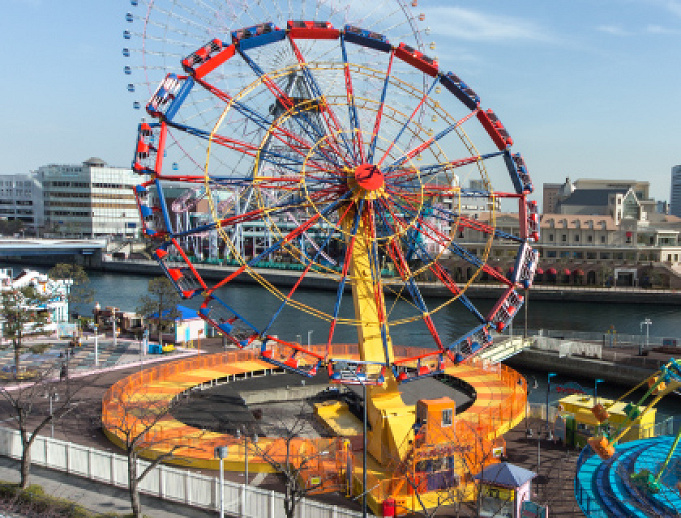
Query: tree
{"points": [[135, 418], [35, 403], [296, 458], [24, 312], [9, 227], [160, 303], [80, 291]]}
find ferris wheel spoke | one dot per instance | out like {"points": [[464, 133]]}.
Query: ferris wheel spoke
{"points": [[277, 131], [419, 106], [311, 263], [418, 150], [379, 111], [401, 264], [326, 111], [303, 227], [352, 109], [283, 99], [346, 265]]}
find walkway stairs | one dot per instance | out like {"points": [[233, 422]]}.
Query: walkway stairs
{"points": [[505, 348]]}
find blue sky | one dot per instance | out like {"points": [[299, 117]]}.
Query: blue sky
{"points": [[587, 88]]}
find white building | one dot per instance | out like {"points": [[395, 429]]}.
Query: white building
{"points": [[21, 198], [89, 200], [57, 305]]}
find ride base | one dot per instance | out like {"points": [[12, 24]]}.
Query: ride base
{"points": [[131, 403]]}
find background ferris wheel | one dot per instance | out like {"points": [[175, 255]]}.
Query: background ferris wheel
{"points": [[160, 33]]}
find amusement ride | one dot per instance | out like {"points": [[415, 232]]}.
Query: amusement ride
{"points": [[339, 156], [637, 478]]}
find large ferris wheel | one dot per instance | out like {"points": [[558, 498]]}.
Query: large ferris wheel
{"points": [[346, 157]]}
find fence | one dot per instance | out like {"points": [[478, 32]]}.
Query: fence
{"points": [[607, 339], [164, 482]]}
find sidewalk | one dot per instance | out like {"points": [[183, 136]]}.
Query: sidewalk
{"points": [[100, 498]]}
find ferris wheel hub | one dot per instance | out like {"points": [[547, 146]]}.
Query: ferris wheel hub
{"points": [[369, 178]]}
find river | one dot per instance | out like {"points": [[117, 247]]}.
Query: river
{"points": [[124, 291]]}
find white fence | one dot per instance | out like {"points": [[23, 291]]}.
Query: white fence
{"points": [[165, 482], [568, 347]]}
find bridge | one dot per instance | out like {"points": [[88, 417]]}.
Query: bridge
{"points": [[13, 247]]}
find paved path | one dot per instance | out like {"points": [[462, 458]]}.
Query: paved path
{"points": [[100, 498], [109, 354]]}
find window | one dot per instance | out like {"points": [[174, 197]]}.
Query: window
{"points": [[563, 238], [602, 239], [551, 253], [447, 415], [550, 237], [576, 238], [589, 239]]}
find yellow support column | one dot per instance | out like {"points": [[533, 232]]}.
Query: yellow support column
{"points": [[390, 419]]}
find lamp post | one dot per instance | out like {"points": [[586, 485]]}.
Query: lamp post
{"points": [[596, 382], [364, 453], [221, 453], [96, 347], [647, 322], [309, 338], [255, 440], [113, 323], [548, 391], [53, 396]]}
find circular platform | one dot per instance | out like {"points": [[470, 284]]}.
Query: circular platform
{"points": [[498, 406], [606, 488]]}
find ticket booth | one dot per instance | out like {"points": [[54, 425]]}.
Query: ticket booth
{"points": [[504, 488]]}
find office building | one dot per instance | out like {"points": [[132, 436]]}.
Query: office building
{"points": [[21, 198], [92, 199], [675, 192]]}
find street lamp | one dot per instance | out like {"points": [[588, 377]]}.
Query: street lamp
{"points": [[548, 391], [596, 382], [96, 347], [221, 453], [53, 396], [255, 440], [309, 338], [647, 322]]}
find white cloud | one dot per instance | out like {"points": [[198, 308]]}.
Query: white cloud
{"points": [[613, 30], [470, 25], [674, 7], [658, 29]]}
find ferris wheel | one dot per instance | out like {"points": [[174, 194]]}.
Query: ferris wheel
{"points": [[337, 164]]}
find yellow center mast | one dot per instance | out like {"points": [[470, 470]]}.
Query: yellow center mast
{"points": [[390, 420]]}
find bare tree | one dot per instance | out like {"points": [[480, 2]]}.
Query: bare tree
{"points": [[439, 467], [35, 403], [134, 420], [298, 454]]}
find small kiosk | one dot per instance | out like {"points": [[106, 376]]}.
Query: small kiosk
{"points": [[504, 488]]}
